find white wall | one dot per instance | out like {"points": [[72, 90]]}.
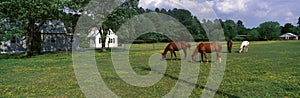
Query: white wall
{"points": [[95, 39]]}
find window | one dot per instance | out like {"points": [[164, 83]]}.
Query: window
{"points": [[110, 40]]}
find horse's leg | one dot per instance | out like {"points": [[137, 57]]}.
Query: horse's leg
{"points": [[175, 55], [228, 49], [184, 51], [205, 57], [201, 61], [218, 57], [194, 56], [171, 54], [246, 49]]}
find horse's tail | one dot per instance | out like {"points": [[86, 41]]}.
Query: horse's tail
{"points": [[195, 54]]}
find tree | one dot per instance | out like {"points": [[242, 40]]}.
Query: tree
{"points": [[116, 18], [297, 29], [269, 30], [298, 22], [9, 30], [253, 34], [30, 15], [230, 29], [287, 28], [241, 28]]}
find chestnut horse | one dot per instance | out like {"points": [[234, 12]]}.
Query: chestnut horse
{"points": [[176, 46], [204, 48], [229, 45]]}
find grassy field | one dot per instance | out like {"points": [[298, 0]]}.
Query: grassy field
{"points": [[269, 69]]}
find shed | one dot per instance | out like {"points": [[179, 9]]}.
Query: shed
{"points": [[288, 36], [55, 37]]}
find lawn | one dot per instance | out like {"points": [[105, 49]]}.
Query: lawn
{"points": [[269, 69]]}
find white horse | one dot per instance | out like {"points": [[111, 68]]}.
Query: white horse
{"points": [[244, 45]]}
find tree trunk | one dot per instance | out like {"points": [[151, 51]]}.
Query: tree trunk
{"points": [[34, 40], [103, 39], [103, 44]]}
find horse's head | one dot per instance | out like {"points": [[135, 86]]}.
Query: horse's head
{"points": [[240, 50], [163, 56], [193, 58]]}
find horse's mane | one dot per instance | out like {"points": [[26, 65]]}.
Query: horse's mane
{"points": [[166, 49], [176, 46]]}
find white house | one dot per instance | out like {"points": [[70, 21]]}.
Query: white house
{"points": [[95, 38], [288, 36]]}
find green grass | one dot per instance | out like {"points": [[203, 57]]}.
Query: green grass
{"points": [[269, 69]]}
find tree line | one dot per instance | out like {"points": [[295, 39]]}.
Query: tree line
{"points": [[25, 17], [269, 30]]}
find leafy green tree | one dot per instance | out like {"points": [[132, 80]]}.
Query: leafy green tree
{"points": [[253, 34], [298, 22], [241, 28], [119, 17], [188, 20], [287, 28], [269, 30], [230, 29], [107, 14], [197, 30], [30, 15], [9, 30]]}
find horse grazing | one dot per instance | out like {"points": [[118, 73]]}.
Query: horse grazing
{"points": [[176, 46], [244, 45], [204, 48], [229, 45]]}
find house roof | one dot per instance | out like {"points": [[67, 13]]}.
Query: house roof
{"points": [[54, 26], [288, 35]]}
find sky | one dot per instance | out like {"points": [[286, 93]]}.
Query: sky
{"points": [[251, 12]]}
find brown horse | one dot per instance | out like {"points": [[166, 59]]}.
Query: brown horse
{"points": [[176, 46], [229, 45], [204, 48]]}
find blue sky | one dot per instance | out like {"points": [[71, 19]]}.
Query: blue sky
{"points": [[251, 12]]}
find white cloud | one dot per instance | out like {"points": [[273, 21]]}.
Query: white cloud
{"points": [[201, 9], [260, 10], [228, 6], [152, 4], [289, 16]]}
